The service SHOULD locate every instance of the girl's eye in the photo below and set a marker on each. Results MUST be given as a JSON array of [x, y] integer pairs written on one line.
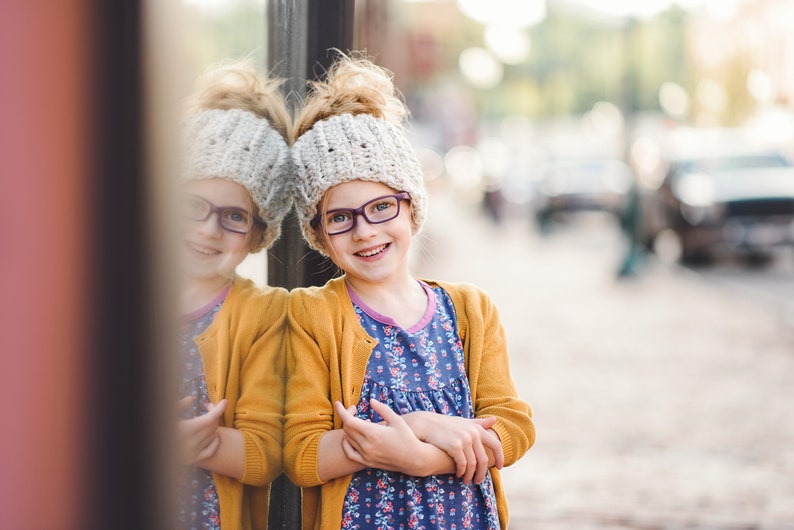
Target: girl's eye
[[339, 217], [381, 209], [194, 207], [237, 217]]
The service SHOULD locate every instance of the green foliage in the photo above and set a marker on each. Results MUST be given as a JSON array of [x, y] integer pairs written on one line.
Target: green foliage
[[577, 61], [740, 103]]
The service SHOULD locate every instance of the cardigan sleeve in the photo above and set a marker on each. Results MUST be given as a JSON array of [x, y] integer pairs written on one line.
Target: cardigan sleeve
[[308, 406], [259, 410], [488, 368]]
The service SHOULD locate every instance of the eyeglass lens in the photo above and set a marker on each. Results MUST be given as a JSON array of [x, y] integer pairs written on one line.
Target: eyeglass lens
[[231, 218], [376, 211]]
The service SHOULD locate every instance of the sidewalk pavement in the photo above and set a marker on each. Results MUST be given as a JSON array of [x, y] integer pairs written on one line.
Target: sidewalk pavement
[[661, 401]]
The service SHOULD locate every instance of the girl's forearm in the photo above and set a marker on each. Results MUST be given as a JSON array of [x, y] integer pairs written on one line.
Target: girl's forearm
[[332, 462], [229, 459], [432, 461]]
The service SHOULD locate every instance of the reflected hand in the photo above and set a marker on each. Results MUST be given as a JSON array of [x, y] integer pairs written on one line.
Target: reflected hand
[[197, 437]]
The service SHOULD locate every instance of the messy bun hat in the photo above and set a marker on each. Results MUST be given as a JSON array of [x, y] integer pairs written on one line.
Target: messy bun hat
[[232, 134]]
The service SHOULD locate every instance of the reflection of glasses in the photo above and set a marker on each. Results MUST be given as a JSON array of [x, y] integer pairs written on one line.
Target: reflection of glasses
[[231, 218], [376, 211]]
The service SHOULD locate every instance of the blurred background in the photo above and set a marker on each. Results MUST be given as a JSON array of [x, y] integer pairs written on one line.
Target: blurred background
[[616, 174]]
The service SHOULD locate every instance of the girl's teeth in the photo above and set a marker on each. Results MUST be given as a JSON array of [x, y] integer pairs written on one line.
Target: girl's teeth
[[205, 251], [369, 253]]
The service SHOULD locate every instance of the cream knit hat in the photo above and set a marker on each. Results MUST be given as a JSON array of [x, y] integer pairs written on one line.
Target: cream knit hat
[[353, 147], [236, 145]]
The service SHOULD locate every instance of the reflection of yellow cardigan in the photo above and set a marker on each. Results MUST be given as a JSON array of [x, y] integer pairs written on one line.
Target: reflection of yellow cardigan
[[327, 354], [243, 356]]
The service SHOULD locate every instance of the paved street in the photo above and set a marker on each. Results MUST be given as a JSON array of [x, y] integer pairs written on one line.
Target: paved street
[[664, 401]]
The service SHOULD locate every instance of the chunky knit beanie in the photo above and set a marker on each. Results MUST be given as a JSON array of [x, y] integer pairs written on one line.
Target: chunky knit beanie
[[237, 145], [353, 147]]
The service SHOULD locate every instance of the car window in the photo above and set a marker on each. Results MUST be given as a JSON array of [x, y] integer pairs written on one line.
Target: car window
[[733, 162]]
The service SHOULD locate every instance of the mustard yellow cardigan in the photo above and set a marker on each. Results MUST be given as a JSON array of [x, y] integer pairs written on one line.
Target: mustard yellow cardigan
[[327, 354], [243, 355]]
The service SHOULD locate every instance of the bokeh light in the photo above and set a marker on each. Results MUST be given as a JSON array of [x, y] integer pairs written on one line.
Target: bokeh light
[[516, 13], [509, 44], [674, 100], [480, 68]]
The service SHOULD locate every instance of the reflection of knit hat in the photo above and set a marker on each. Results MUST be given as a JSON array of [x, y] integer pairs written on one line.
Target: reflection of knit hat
[[236, 145], [347, 147]]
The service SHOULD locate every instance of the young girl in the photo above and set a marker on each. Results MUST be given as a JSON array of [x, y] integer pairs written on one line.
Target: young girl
[[400, 405], [231, 354]]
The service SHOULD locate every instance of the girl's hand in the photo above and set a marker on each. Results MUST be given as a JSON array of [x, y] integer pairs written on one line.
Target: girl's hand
[[389, 445], [470, 442], [197, 437]]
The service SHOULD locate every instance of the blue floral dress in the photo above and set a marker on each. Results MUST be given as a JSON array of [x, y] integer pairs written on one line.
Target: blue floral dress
[[417, 369], [198, 507]]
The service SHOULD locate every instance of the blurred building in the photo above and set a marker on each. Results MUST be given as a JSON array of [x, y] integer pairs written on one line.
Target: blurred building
[[749, 52]]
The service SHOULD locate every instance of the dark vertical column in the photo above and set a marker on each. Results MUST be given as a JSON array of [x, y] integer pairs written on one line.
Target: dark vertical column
[[331, 25], [287, 44], [300, 34], [125, 481]]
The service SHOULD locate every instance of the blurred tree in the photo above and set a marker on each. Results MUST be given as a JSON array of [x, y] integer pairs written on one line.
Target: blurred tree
[[234, 30], [741, 104], [575, 59], [661, 55]]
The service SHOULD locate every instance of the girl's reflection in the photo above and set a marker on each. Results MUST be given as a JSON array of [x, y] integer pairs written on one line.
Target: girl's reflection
[[231, 359]]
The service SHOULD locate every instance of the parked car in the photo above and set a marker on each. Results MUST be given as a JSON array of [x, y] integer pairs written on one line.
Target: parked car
[[582, 184], [739, 202]]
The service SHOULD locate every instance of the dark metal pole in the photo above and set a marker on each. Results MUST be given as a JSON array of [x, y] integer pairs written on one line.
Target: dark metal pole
[[287, 56], [300, 35], [123, 350]]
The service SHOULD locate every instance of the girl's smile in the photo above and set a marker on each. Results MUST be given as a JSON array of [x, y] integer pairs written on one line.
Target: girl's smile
[[202, 250], [374, 252]]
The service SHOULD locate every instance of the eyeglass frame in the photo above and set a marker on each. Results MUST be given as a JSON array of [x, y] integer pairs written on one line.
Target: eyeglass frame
[[220, 209], [356, 212]]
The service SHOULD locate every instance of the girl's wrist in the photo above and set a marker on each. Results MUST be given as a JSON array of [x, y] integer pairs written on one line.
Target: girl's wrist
[[418, 423], [431, 461]]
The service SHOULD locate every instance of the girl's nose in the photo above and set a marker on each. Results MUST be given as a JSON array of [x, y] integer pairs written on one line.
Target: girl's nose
[[363, 229], [211, 226]]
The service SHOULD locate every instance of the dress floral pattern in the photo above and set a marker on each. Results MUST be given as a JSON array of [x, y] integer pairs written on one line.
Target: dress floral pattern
[[420, 368], [198, 505]]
